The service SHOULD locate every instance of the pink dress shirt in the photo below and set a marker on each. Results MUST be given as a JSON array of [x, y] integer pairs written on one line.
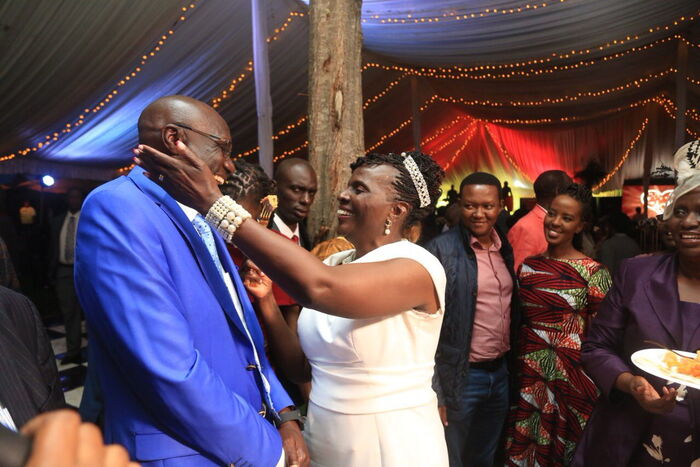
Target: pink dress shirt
[[527, 236], [491, 331]]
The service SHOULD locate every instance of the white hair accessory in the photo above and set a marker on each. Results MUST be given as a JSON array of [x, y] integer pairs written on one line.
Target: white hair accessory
[[687, 164], [418, 179]]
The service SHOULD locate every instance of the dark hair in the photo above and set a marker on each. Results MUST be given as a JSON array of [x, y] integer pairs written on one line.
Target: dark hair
[[248, 178], [550, 184], [403, 184], [583, 195], [481, 178]]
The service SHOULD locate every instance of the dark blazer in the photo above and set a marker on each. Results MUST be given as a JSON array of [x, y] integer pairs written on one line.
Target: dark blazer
[[642, 304], [29, 381], [453, 249]]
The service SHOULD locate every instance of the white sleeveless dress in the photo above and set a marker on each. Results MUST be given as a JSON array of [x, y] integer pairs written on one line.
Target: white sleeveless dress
[[372, 402]]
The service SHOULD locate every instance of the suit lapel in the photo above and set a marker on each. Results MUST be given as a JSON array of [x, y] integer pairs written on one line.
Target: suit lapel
[[199, 249], [662, 293]]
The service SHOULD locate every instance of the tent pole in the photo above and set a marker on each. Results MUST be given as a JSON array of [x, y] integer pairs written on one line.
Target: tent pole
[[649, 154], [261, 70], [681, 93], [415, 108], [336, 132]]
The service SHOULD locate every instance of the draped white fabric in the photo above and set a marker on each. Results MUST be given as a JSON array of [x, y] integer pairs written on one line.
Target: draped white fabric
[[61, 57]]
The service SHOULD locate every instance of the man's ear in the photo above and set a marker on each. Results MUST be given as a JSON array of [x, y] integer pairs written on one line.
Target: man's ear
[[170, 135]]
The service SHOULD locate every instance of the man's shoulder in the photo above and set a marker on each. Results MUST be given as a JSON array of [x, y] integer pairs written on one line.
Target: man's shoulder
[[447, 239], [117, 194]]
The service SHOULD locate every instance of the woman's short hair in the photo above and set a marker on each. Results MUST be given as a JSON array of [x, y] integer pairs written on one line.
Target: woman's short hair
[[583, 195], [247, 179], [403, 184]]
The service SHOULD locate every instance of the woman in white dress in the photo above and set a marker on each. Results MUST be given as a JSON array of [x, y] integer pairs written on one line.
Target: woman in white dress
[[371, 324]]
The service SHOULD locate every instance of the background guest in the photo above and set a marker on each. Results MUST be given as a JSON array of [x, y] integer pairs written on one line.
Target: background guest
[[638, 421], [62, 257], [560, 292], [619, 245], [248, 185], [481, 317], [527, 236]]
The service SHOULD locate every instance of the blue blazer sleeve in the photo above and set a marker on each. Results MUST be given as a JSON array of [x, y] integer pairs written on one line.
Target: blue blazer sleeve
[[123, 273]]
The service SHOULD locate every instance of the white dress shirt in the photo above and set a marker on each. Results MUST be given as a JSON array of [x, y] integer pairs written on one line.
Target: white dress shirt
[[62, 237], [284, 228], [6, 419]]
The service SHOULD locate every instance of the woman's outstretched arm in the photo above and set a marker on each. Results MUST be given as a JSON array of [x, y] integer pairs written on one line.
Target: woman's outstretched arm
[[352, 291]]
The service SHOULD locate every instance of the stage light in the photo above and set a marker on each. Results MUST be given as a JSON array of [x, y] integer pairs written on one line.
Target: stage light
[[48, 180]]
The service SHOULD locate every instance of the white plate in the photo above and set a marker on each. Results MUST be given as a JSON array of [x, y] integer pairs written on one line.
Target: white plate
[[651, 361]]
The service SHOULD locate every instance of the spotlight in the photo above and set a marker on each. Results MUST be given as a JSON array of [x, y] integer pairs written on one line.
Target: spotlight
[[48, 180]]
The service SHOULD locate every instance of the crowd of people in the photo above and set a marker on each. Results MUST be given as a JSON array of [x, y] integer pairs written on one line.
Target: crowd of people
[[222, 333]]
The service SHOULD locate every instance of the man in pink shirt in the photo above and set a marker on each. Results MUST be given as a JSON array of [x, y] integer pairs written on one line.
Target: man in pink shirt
[[481, 317], [527, 235]]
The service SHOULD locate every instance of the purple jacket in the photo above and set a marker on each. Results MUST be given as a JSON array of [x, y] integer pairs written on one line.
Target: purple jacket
[[642, 304]]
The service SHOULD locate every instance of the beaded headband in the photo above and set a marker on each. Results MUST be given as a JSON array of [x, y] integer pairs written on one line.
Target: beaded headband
[[418, 180]]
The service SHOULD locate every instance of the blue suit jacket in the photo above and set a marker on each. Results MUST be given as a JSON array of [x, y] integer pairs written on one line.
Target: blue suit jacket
[[170, 350]]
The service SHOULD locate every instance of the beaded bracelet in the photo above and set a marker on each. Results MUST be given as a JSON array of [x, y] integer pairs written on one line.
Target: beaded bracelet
[[226, 216]]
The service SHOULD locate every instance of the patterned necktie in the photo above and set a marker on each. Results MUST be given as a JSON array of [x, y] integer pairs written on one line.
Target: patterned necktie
[[204, 231], [69, 247]]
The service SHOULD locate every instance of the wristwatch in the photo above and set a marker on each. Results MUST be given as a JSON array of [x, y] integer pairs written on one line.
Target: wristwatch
[[290, 415]]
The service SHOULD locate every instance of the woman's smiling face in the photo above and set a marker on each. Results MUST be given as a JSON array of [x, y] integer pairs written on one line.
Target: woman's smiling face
[[365, 204]]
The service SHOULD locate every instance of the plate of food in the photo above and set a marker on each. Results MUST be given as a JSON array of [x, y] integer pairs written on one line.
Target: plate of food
[[681, 369]]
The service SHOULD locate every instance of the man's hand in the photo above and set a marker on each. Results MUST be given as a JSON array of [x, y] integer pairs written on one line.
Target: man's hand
[[183, 175], [293, 444], [442, 410], [649, 398], [61, 440]]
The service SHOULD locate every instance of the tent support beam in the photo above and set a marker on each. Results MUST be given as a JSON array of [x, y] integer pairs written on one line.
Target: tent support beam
[[649, 153], [681, 93], [261, 70], [336, 132], [415, 108]]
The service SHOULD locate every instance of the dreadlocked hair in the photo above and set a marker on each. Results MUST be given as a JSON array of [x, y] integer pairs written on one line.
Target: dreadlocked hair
[[247, 179], [583, 195], [403, 184]]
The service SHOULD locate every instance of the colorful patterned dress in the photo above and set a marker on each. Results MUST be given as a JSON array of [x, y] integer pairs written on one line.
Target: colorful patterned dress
[[559, 297]]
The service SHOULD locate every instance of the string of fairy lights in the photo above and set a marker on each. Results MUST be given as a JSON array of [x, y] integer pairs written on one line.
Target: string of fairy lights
[[482, 72], [248, 69], [88, 112], [624, 157], [472, 127], [453, 15], [506, 154]]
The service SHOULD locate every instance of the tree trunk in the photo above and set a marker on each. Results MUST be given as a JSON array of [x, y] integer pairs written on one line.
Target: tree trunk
[[336, 136]]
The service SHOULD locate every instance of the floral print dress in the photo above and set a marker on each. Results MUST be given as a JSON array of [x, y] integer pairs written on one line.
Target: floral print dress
[[559, 298]]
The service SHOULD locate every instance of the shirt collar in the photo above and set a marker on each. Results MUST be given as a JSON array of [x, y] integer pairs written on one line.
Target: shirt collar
[[494, 238], [284, 228], [541, 207], [189, 212]]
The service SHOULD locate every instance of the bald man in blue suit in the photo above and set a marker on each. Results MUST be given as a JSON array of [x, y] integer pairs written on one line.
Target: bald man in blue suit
[[174, 340]]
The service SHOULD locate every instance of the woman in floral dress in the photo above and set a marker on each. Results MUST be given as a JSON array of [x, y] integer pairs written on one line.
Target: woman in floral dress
[[560, 291]]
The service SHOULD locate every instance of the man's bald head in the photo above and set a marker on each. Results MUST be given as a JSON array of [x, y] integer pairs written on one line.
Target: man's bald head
[[296, 188], [159, 122], [549, 184]]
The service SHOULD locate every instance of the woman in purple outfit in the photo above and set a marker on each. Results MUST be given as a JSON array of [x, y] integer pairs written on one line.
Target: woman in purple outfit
[[640, 420]]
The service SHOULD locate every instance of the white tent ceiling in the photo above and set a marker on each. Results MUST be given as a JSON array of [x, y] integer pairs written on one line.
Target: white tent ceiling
[[62, 61]]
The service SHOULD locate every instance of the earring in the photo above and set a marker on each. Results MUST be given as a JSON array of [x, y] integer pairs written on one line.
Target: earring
[[387, 227]]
